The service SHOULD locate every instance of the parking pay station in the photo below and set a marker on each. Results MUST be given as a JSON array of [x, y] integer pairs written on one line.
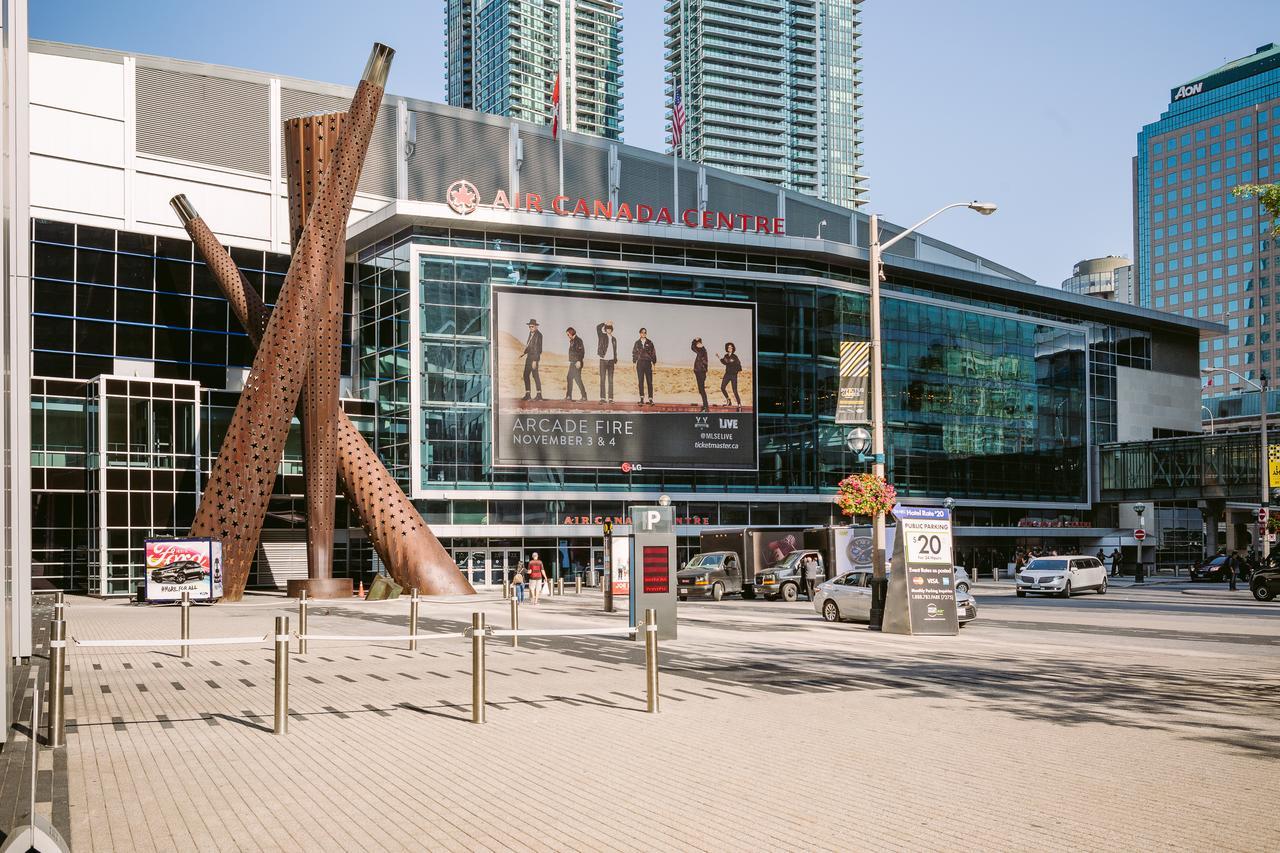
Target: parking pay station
[[653, 568]]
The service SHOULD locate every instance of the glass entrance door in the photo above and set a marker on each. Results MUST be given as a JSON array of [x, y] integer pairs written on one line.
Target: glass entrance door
[[488, 567]]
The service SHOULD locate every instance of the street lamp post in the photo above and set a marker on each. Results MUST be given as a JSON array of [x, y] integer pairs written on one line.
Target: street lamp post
[[879, 579], [1265, 503]]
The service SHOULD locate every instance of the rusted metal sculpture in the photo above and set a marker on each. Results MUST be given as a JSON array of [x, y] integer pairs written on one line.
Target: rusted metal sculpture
[[309, 145], [402, 539], [235, 500]]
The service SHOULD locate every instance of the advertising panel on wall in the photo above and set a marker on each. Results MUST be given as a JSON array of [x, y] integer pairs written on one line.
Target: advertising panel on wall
[[622, 381], [175, 566], [852, 405]]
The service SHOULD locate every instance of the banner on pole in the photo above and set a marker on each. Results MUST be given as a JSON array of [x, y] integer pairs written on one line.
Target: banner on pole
[[1273, 466], [855, 383]]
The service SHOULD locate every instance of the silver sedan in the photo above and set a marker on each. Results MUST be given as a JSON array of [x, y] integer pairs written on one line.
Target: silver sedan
[[848, 597]]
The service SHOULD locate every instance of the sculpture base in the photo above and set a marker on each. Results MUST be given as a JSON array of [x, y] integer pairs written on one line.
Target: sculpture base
[[320, 587]]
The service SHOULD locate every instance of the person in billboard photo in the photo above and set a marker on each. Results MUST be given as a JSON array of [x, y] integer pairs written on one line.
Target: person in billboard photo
[[532, 355], [644, 355], [700, 370], [732, 367], [577, 352], [607, 350]]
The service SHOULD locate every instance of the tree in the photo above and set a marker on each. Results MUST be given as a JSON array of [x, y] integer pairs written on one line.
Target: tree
[[1268, 196]]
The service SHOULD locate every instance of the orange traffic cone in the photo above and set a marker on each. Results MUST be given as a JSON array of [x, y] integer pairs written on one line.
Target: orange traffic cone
[[361, 592]]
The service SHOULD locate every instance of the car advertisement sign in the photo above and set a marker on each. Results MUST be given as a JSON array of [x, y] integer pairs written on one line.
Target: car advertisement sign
[[621, 565], [175, 566], [922, 588], [619, 381]]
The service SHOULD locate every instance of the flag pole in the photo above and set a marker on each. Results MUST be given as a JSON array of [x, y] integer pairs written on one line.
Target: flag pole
[[560, 81]]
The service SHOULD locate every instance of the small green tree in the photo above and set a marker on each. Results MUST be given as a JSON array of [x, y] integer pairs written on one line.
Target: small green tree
[[1268, 196]]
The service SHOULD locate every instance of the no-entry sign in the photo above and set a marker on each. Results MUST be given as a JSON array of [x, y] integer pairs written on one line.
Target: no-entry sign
[[1139, 534]]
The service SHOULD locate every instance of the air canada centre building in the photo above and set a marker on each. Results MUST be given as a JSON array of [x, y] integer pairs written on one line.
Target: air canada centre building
[[537, 336]]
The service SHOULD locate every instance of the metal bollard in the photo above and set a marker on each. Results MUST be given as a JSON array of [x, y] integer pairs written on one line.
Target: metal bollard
[[186, 623], [506, 589], [651, 659], [413, 619], [302, 622], [559, 586], [58, 605], [577, 584], [55, 731], [477, 667], [282, 675], [515, 623]]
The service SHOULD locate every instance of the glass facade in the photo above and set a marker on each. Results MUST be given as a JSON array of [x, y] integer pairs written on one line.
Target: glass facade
[[980, 404], [1200, 250]]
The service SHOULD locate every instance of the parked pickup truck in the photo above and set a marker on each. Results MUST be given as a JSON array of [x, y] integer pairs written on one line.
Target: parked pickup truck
[[729, 561], [786, 579], [710, 575]]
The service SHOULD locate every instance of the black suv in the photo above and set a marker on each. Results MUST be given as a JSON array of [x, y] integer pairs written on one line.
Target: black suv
[[1265, 583], [179, 572]]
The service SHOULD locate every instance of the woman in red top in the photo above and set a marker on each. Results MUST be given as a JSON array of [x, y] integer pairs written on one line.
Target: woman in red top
[[535, 576]]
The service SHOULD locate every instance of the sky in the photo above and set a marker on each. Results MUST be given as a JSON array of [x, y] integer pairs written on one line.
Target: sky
[[1033, 105]]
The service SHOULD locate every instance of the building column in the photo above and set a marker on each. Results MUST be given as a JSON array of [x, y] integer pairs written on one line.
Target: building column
[[1211, 512]]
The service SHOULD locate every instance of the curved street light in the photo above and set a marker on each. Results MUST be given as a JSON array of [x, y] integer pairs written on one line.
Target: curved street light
[[879, 579]]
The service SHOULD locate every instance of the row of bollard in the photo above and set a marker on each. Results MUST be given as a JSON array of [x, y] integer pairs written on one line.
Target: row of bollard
[[557, 588], [55, 734]]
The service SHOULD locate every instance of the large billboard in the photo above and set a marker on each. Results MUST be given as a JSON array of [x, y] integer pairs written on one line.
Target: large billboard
[[641, 382]]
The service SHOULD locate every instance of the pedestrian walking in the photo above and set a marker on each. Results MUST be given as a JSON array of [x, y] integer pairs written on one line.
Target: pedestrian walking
[[517, 582], [700, 369], [644, 355], [532, 355], [811, 575], [577, 352], [732, 367], [536, 574], [1115, 562], [1233, 568], [607, 352]]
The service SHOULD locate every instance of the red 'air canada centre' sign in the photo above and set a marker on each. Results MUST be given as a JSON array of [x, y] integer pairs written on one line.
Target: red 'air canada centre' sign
[[463, 198]]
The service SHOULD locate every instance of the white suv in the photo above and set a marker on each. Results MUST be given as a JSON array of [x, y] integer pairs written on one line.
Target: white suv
[[1062, 575]]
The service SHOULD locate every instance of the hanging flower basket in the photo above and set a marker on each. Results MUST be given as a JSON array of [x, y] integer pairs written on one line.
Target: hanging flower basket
[[866, 494], [1273, 523]]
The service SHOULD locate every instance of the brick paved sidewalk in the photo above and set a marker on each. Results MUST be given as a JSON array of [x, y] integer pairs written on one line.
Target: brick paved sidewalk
[[777, 732]]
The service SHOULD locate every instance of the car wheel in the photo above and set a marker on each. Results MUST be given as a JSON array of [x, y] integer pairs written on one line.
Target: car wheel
[[717, 592], [1263, 593], [1020, 593], [963, 587], [962, 624], [684, 598], [830, 611], [1066, 593], [748, 592], [1102, 587], [789, 592]]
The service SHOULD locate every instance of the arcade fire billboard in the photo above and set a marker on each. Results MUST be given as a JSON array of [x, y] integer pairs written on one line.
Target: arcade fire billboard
[[622, 381]]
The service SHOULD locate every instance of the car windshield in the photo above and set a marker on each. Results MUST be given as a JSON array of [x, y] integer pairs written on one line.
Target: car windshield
[[705, 561], [1047, 565], [791, 559], [1218, 561]]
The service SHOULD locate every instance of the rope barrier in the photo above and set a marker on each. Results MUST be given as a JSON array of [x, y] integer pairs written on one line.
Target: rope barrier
[[377, 638], [562, 632], [210, 641]]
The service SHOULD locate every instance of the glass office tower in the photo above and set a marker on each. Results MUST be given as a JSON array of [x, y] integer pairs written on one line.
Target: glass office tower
[[1200, 251], [502, 57], [772, 90]]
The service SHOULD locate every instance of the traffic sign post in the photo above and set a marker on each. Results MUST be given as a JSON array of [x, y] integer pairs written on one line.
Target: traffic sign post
[[1139, 534]]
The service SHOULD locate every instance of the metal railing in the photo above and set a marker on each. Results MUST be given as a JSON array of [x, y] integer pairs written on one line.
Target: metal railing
[[478, 633]]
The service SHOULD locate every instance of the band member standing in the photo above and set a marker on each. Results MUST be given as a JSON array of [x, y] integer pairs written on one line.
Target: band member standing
[[577, 352], [732, 367], [644, 356], [532, 355], [607, 350], [700, 369]]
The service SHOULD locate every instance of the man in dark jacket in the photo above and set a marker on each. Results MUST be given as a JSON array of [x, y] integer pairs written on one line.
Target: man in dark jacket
[[532, 355], [700, 369], [577, 352], [607, 350], [644, 356]]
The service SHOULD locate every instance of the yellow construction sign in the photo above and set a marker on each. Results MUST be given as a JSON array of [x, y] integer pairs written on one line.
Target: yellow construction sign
[[1273, 466]]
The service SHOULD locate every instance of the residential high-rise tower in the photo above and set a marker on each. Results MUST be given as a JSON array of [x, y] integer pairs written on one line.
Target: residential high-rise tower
[[772, 90], [503, 56]]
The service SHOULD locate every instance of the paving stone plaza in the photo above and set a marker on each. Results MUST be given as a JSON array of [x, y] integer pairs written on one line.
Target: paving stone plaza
[[1142, 720]]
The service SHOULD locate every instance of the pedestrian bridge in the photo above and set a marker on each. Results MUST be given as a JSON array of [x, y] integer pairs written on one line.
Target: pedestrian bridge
[[1223, 467]]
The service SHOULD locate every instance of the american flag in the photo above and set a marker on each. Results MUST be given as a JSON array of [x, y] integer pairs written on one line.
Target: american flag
[[677, 119]]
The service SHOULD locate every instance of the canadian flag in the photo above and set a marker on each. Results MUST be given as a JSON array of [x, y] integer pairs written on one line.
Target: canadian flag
[[555, 109]]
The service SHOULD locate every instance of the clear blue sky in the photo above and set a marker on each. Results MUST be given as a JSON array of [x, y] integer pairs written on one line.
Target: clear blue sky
[[1034, 105]]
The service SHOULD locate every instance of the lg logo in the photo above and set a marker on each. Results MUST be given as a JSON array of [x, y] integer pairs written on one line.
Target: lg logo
[[462, 197], [1188, 91]]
